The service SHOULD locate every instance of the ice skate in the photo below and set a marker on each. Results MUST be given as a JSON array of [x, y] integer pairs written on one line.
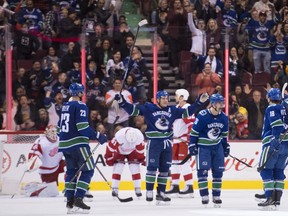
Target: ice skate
[[162, 199], [80, 207], [268, 205], [88, 197], [217, 202], [205, 200], [70, 205], [187, 192], [173, 191], [260, 197], [114, 192], [149, 196], [138, 192]]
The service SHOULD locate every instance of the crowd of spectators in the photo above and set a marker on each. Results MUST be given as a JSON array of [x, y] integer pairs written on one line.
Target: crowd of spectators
[[49, 35]]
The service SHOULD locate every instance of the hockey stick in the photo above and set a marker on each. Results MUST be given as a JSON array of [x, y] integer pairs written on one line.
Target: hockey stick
[[188, 156], [259, 169], [140, 24], [248, 165], [116, 106], [129, 199], [184, 160], [19, 183], [80, 168], [283, 90]]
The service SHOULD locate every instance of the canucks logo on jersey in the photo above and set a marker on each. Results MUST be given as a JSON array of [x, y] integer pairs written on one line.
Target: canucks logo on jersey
[[162, 123], [213, 133]]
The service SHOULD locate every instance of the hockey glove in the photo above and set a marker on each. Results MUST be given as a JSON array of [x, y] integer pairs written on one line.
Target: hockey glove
[[204, 97], [275, 145], [101, 138], [226, 148], [120, 99], [193, 149]]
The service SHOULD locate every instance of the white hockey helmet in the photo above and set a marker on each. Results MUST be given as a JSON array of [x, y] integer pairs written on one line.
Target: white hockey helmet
[[131, 135], [182, 92], [51, 133]]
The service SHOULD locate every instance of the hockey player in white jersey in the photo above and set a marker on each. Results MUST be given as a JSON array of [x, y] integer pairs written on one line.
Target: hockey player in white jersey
[[45, 149], [126, 147], [181, 129]]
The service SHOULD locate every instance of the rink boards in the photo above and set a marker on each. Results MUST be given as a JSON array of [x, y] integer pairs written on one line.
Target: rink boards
[[236, 176]]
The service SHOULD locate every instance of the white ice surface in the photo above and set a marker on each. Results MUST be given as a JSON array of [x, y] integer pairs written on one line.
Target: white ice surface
[[235, 203]]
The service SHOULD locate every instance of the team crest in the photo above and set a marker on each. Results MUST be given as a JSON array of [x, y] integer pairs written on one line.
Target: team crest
[[213, 133], [162, 123]]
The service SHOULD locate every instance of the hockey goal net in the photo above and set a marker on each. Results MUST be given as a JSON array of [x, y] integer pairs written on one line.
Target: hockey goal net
[[14, 149]]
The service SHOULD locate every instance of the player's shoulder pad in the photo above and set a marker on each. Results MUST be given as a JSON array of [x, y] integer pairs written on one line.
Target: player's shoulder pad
[[203, 112]]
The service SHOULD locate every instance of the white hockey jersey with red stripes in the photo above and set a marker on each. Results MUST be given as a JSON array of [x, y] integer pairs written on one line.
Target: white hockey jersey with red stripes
[[47, 153], [181, 127]]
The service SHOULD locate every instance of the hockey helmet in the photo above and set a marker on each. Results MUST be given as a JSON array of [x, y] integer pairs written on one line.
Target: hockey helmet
[[131, 135], [76, 88], [160, 94], [274, 94], [51, 133], [182, 92], [216, 98]]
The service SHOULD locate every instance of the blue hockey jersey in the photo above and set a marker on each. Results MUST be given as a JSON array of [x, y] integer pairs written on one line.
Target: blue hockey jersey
[[74, 128], [160, 120], [273, 126], [208, 129]]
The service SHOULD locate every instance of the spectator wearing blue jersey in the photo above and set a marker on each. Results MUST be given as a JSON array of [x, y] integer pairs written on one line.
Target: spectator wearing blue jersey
[[159, 118], [74, 137], [259, 36], [137, 66], [208, 141], [279, 50], [32, 16]]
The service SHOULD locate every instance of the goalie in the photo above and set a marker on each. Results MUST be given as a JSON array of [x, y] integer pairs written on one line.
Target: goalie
[[45, 149]]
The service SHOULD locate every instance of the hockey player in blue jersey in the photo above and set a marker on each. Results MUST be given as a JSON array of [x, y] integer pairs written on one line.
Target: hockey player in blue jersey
[[159, 118], [74, 136], [274, 150], [208, 141]]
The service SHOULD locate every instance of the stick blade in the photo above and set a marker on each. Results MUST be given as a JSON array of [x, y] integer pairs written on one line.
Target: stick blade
[[143, 22], [129, 199]]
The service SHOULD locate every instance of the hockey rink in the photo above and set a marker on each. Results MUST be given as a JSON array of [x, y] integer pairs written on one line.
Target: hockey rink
[[235, 203]]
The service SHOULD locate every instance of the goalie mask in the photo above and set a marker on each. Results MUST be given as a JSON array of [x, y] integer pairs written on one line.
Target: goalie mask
[[51, 133], [131, 135]]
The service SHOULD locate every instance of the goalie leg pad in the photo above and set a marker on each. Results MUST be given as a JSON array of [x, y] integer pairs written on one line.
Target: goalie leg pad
[[35, 189]]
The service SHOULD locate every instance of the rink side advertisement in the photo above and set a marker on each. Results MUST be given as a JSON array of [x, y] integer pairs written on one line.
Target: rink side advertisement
[[236, 176]]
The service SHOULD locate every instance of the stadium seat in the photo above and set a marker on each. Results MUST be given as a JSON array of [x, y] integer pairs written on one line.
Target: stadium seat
[[246, 78], [26, 64], [261, 79]]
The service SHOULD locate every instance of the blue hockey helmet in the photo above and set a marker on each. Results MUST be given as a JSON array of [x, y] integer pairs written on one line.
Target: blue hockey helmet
[[160, 94], [76, 88], [274, 94], [216, 98]]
